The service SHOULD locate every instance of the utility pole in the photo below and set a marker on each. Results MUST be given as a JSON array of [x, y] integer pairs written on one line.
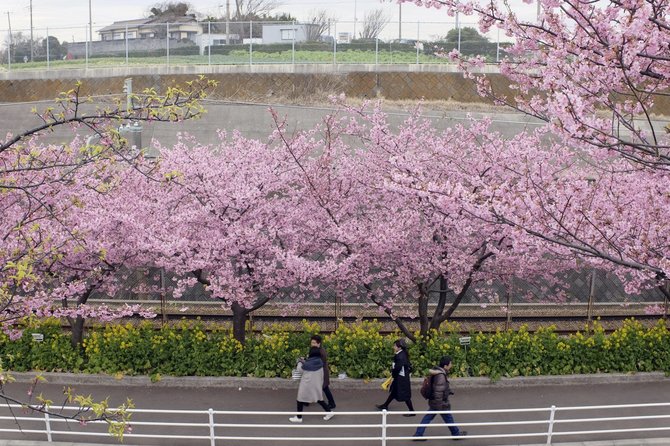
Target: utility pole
[[31, 32], [355, 19], [538, 10], [90, 22], [399, 21], [9, 50], [228, 22]]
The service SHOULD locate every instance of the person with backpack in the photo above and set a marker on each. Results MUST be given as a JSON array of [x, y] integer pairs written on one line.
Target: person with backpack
[[401, 369], [435, 389]]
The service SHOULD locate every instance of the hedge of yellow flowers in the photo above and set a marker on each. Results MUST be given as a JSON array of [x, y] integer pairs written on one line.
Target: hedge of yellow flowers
[[359, 350]]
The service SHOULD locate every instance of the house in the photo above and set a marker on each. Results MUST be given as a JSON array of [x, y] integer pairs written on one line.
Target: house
[[214, 39], [288, 32], [183, 27]]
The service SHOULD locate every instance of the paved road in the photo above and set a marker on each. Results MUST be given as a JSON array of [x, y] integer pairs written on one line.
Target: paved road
[[251, 120], [281, 398]]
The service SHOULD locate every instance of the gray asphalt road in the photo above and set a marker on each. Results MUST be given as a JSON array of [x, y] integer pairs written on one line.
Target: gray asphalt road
[[251, 120], [314, 427]]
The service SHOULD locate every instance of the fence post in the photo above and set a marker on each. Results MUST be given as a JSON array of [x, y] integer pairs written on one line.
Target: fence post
[[418, 36], [251, 42], [48, 54], [508, 323], [592, 289], [293, 44], [667, 299], [167, 42], [384, 413], [498, 47], [47, 422], [87, 34], [335, 42], [551, 425], [212, 437]]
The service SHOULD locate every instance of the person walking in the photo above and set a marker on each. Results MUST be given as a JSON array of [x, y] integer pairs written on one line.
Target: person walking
[[310, 389], [401, 388], [315, 341], [439, 400]]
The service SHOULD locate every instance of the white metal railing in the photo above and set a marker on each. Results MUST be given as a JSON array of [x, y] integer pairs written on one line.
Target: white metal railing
[[541, 424]]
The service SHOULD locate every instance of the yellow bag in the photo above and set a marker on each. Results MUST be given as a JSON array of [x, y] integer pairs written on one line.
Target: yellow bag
[[387, 383]]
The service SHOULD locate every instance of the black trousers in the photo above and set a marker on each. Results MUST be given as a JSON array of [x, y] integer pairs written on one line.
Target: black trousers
[[329, 396], [302, 405]]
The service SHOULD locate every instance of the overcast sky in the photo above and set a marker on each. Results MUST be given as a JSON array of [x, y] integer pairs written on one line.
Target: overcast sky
[[67, 19]]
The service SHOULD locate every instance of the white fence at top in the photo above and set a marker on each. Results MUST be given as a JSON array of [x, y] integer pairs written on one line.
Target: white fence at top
[[198, 427]]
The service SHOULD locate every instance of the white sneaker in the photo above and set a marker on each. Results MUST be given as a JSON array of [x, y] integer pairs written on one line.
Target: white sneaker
[[329, 415], [295, 420]]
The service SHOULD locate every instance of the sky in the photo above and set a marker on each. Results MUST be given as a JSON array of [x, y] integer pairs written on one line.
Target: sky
[[67, 19]]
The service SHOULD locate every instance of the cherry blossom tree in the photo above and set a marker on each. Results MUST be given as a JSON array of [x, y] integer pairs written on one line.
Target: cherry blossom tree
[[41, 187], [391, 213], [596, 73], [211, 214]]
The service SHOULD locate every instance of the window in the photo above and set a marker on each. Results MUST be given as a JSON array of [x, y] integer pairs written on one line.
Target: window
[[287, 34], [132, 34], [118, 35]]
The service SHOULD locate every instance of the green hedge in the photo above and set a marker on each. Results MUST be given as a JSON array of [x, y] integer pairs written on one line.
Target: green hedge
[[357, 349]]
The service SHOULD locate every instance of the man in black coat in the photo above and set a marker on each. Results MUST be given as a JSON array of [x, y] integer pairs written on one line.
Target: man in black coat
[[439, 400]]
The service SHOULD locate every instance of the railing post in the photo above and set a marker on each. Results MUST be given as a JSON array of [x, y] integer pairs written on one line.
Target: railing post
[[47, 422], [551, 425], [212, 437], [384, 413]]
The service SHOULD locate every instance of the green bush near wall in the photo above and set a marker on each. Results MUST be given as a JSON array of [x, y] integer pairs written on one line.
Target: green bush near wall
[[359, 350]]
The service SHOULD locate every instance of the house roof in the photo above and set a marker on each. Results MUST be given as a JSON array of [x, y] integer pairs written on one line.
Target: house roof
[[123, 23], [120, 25]]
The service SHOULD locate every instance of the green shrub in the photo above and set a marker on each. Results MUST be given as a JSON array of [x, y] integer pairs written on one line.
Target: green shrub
[[359, 350]]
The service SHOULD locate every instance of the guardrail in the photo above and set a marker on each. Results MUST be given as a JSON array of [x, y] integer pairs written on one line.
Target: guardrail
[[542, 424]]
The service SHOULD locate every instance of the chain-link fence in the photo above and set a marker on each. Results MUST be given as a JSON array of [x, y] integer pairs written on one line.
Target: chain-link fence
[[188, 42], [582, 294]]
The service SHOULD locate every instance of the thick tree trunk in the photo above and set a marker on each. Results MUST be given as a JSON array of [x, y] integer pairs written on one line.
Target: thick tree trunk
[[239, 322], [77, 327]]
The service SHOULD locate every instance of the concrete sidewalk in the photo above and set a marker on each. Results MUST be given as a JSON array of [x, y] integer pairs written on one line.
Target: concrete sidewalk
[[82, 379], [278, 396]]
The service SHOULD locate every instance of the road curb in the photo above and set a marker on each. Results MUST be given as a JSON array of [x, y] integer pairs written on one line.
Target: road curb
[[81, 379]]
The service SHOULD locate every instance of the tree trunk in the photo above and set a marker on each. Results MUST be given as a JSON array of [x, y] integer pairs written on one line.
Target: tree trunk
[[77, 327], [239, 322]]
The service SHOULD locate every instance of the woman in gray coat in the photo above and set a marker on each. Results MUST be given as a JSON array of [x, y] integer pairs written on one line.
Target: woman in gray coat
[[311, 385]]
